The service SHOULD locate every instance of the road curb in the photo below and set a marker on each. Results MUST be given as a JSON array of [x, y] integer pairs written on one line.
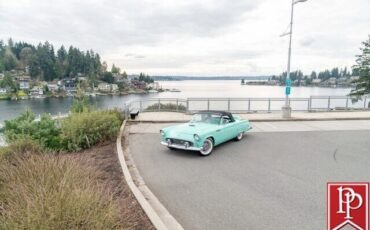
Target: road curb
[[156, 212]]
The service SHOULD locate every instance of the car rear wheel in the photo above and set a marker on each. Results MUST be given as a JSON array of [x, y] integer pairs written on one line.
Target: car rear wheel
[[207, 147], [240, 136], [170, 148]]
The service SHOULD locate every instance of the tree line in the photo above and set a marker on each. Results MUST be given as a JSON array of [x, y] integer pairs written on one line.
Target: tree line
[[322, 75], [44, 63]]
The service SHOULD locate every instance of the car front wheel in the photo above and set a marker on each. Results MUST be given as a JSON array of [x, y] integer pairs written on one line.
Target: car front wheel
[[207, 147], [240, 136]]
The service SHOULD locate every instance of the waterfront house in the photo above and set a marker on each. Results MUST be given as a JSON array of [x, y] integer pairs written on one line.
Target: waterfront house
[[354, 78], [138, 84], [104, 87], [70, 85], [114, 87], [332, 81], [3, 91], [52, 87], [316, 81], [154, 85], [343, 81], [36, 92], [24, 82]]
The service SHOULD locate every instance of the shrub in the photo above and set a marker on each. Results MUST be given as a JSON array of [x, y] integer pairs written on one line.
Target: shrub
[[78, 131], [82, 130], [80, 102], [54, 192], [20, 126], [166, 107], [22, 147], [44, 131]]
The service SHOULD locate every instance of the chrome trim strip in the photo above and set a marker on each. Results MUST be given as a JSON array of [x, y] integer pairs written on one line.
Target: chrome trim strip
[[181, 146]]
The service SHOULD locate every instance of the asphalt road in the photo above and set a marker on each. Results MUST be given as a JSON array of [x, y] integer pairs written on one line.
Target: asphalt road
[[269, 180]]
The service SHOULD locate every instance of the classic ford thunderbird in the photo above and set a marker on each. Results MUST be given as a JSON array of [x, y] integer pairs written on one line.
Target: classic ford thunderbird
[[205, 130]]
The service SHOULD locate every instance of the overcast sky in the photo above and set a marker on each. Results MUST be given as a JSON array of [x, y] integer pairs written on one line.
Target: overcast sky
[[196, 37]]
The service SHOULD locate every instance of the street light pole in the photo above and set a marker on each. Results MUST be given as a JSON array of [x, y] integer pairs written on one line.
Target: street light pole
[[289, 52], [287, 110]]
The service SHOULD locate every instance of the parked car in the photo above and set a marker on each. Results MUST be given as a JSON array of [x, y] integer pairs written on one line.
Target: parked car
[[206, 130]]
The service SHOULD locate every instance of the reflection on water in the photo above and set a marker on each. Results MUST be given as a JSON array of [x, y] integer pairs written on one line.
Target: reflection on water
[[10, 109]]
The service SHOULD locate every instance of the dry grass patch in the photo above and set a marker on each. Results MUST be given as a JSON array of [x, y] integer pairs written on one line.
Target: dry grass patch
[[54, 192]]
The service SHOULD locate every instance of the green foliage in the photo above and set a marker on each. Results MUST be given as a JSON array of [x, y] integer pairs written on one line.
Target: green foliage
[[55, 192], [115, 69], [8, 82], [80, 102], [323, 75], [362, 68], [82, 130], [79, 131], [9, 60], [145, 78], [166, 107], [20, 126], [46, 64], [108, 77], [44, 131]]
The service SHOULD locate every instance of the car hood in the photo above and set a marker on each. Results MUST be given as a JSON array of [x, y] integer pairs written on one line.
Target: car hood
[[191, 128]]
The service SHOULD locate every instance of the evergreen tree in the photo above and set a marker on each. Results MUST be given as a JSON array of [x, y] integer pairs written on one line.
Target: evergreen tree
[[108, 77], [313, 75], [362, 67], [115, 69], [9, 59]]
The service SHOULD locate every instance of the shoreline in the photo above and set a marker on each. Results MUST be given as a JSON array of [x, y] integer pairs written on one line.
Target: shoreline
[[10, 98]]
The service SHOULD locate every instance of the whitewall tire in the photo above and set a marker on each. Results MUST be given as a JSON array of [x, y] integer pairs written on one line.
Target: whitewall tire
[[240, 136], [207, 147]]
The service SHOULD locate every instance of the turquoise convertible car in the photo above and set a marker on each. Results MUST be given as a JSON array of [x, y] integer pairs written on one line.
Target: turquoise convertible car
[[205, 130]]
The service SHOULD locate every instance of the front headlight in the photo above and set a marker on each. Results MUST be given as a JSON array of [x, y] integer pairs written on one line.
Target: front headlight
[[196, 137], [162, 133]]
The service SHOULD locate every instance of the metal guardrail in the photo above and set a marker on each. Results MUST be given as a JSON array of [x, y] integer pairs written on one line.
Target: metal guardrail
[[249, 105]]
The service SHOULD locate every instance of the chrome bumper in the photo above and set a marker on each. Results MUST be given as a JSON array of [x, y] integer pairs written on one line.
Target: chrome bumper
[[191, 148]]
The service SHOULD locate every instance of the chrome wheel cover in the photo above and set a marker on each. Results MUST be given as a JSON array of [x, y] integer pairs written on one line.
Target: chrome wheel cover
[[240, 136], [207, 147]]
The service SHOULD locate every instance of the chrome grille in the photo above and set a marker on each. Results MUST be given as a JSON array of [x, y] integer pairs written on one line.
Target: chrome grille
[[179, 142]]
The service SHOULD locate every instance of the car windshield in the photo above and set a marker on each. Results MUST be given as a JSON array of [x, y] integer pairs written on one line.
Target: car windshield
[[210, 118]]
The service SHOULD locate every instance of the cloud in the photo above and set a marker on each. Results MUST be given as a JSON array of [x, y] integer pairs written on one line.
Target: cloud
[[208, 37], [307, 41]]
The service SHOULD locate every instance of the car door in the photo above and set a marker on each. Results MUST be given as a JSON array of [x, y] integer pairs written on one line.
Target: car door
[[228, 130]]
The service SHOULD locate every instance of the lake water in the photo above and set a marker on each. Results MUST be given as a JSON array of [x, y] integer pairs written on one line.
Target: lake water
[[10, 109], [189, 89]]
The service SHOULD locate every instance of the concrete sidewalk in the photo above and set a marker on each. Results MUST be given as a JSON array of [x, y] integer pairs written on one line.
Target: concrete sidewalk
[[296, 116]]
